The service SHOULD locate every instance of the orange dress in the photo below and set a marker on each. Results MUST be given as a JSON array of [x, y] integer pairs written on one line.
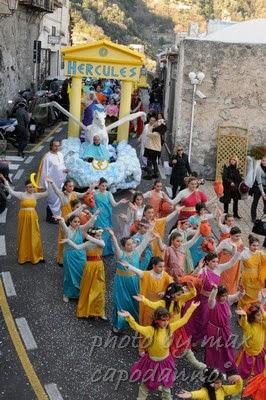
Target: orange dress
[[230, 277], [65, 210]]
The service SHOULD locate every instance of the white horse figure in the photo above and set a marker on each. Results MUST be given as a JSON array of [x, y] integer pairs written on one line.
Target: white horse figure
[[98, 124], [97, 127]]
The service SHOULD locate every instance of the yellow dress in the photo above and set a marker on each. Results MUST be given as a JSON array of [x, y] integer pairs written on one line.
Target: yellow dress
[[159, 227], [92, 287], [29, 244], [253, 277], [65, 210], [221, 393]]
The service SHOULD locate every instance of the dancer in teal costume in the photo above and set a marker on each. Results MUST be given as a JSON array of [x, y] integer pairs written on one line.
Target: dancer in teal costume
[[126, 283], [105, 201]]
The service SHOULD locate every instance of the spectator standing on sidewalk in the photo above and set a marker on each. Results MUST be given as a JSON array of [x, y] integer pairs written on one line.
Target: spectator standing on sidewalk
[[180, 170], [231, 180], [23, 119], [259, 189]]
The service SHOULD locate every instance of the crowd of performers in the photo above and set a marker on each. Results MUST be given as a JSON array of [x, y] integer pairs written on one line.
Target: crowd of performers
[[177, 293]]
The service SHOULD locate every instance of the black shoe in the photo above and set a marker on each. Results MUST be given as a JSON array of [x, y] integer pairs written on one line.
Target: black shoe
[[60, 265], [237, 216], [147, 177], [155, 176]]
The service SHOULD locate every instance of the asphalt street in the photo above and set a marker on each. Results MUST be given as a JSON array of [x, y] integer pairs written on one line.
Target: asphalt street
[[80, 359]]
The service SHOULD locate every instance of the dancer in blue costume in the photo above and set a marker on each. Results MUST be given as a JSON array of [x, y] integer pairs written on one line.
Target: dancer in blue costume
[[74, 260], [196, 251], [126, 283], [146, 256], [105, 201]]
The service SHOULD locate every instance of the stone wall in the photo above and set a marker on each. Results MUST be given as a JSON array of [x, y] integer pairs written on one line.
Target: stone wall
[[235, 86], [17, 35]]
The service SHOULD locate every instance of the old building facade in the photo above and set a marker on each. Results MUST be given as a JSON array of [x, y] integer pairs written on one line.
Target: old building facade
[[18, 33], [234, 86]]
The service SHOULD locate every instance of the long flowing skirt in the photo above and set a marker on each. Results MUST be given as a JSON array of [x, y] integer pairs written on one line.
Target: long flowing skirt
[[29, 243], [92, 291], [219, 352], [230, 278], [249, 366], [125, 287], [74, 262]]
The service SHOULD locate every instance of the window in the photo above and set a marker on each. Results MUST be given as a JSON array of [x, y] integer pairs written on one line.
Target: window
[[53, 31]]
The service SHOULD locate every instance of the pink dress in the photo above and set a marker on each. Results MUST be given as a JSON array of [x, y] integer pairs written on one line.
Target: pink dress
[[219, 352], [112, 110], [197, 325], [174, 260]]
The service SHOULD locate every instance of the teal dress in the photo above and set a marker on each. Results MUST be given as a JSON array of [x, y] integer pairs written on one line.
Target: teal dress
[[74, 262], [105, 219], [126, 285], [196, 251], [146, 255]]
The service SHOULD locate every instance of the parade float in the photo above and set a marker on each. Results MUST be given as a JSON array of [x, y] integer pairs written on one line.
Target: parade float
[[107, 60]]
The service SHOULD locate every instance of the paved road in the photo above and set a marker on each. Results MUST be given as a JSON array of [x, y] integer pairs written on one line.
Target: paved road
[[77, 359]]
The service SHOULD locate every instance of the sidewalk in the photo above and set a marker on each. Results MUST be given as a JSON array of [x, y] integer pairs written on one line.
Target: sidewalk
[[245, 223]]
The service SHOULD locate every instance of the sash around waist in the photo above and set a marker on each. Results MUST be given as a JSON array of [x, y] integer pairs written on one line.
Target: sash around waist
[[94, 258], [188, 209], [124, 273], [26, 208]]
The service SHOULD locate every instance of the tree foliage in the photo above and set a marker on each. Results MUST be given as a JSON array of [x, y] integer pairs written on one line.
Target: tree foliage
[[153, 22]]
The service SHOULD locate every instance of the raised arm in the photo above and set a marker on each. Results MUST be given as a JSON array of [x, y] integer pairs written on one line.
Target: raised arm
[[212, 297], [190, 242], [177, 199], [59, 193], [173, 214], [116, 203], [223, 267], [95, 242], [63, 226], [151, 304], [233, 298], [148, 237], [41, 195], [118, 251], [18, 195], [146, 331], [182, 321], [75, 212], [130, 267], [91, 221]]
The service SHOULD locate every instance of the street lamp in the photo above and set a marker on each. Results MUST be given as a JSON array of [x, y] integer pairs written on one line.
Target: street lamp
[[196, 78], [10, 5]]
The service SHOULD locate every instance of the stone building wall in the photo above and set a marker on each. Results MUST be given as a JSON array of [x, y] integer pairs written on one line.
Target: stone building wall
[[235, 86], [17, 35]]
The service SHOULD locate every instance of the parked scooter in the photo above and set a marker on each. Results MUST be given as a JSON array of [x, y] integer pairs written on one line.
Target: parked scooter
[[4, 170], [8, 130]]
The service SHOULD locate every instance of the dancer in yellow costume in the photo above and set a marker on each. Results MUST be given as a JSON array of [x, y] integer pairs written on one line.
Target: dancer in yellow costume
[[66, 195], [29, 243], [159, 225], [92, 287], [253, 275]]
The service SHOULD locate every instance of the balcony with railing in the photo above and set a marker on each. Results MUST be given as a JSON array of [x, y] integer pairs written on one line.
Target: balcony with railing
[[41, 5]]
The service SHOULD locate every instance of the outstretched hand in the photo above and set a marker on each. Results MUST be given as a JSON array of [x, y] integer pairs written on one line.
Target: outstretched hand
[[139, 297], [123, 313], [240, 311], [184, 395]]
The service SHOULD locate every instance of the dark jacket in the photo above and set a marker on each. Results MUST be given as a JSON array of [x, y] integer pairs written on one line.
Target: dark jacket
[[230, 175], [180, 170]]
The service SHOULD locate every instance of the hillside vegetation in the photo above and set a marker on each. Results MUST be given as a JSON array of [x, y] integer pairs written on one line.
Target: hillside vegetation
[[152, 22]]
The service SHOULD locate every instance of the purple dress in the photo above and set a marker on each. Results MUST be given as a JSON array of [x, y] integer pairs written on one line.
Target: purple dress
[[197, 325], [219, 352]]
